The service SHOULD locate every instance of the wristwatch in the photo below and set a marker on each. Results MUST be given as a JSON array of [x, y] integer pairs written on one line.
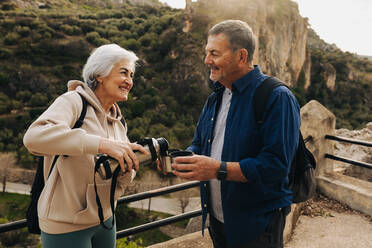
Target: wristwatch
[[222, 172]]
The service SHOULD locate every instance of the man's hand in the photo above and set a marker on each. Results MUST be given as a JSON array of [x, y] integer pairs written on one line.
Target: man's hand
[[196, 167]]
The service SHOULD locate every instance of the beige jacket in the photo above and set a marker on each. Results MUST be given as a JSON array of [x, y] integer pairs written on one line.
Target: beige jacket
[[67, 202]]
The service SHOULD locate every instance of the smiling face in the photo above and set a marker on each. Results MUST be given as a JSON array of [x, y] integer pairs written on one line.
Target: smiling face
[[223, 62], [115, 87]]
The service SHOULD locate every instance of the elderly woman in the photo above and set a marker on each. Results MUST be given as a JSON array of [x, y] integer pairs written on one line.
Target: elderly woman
[[67, 208]]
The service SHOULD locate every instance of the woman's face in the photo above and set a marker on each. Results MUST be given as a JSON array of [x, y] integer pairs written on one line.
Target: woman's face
[[115, 87]]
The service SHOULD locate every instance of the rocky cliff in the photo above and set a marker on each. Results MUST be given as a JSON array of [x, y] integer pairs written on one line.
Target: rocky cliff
[[280, 31]]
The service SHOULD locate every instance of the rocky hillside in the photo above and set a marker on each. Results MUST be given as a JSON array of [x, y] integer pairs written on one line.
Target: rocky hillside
[[280, 31], [45, 43], [354, 152]]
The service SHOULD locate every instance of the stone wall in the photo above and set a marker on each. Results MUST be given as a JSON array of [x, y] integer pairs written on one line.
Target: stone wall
[[317, 121], [19, 175]]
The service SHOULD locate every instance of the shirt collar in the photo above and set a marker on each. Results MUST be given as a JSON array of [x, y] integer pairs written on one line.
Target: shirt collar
[[251, 77], [242, 83]]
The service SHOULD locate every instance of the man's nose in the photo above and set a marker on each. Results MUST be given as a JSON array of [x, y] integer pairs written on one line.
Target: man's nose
[[207, 60]]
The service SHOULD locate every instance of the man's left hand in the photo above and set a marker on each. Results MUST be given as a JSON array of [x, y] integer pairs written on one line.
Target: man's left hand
[[196, 167]]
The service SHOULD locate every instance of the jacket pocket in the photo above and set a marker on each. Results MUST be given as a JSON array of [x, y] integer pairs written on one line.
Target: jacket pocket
[[89, 215]]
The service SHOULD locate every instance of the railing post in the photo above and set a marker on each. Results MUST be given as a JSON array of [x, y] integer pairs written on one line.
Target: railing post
[[317, 121]]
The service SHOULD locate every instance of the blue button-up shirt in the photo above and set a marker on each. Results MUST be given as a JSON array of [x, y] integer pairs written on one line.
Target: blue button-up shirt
[[263, 151]]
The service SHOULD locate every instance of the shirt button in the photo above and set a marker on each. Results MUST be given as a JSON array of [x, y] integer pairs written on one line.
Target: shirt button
[[205, 185], [212, 119], [205, 205]]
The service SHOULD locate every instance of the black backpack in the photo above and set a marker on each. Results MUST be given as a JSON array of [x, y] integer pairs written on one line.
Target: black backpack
[[38, 184], [302, 173]]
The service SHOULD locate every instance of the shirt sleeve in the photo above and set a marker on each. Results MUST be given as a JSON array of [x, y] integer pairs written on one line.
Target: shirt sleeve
[[52, 132], [280, 132]]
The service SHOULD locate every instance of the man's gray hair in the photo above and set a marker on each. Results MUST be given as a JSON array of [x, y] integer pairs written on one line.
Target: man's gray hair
[[239, 34], [102, 60]]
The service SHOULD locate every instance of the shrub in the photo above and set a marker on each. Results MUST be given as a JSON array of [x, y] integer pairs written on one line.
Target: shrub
[[23, 31], [5, 103], [8, 6], [67, 29], [11, 38], [102, 15], [78, 49], [23, 95], [88, 26], [5, 53], [38, 100], [8, 24], [129, 15], [125, 25], [92, 37], [117, 15], [131, 44]]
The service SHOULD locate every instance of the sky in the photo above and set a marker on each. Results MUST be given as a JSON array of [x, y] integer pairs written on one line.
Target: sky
[[346, 23]]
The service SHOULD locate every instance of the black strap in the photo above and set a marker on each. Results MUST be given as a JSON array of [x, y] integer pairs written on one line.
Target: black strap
[[77, 124], [80, 121], [261, 96], [148, 141], [102, 160]]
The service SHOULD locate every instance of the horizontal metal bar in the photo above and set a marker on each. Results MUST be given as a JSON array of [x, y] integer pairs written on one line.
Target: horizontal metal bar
[[126, 199], [10, 226], [346, 160], [157, 192], [348, 140], [158, 223]]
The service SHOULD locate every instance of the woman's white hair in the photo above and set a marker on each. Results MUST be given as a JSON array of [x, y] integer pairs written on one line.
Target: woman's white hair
[[102, 60]]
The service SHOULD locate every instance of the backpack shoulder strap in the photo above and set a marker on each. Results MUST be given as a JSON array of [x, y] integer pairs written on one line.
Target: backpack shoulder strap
[[261, 96], [78, 123]]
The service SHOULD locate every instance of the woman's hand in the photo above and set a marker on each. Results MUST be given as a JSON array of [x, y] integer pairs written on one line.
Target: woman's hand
[[122, 152]]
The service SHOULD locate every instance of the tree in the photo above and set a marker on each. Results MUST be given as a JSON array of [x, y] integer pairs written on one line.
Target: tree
[[183, 198], [6, 162]]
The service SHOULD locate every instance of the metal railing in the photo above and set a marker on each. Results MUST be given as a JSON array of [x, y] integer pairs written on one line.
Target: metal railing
[[346, 160], [132, 198]]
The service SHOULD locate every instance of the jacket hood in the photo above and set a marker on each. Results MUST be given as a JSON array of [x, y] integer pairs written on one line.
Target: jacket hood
[[75, 85]]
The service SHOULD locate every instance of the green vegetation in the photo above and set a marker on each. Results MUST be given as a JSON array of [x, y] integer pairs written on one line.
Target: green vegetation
[[41, 51], [44, 46], [14, 206], [351, 99]]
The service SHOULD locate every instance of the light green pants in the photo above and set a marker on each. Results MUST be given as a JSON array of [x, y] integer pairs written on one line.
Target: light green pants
[[94, 237]]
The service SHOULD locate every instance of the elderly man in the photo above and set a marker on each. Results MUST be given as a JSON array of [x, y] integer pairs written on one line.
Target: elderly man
[[243, 166]]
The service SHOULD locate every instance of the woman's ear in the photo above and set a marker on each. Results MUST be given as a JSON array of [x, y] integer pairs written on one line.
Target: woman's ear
[[99, 80]]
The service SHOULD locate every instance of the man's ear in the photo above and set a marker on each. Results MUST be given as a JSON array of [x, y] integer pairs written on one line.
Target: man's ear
[[243, 56]]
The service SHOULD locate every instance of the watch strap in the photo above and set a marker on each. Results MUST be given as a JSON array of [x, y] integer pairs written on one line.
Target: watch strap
[[222, 172]]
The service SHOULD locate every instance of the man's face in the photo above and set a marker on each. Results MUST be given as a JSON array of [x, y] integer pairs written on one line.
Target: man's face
[[222, 60]]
